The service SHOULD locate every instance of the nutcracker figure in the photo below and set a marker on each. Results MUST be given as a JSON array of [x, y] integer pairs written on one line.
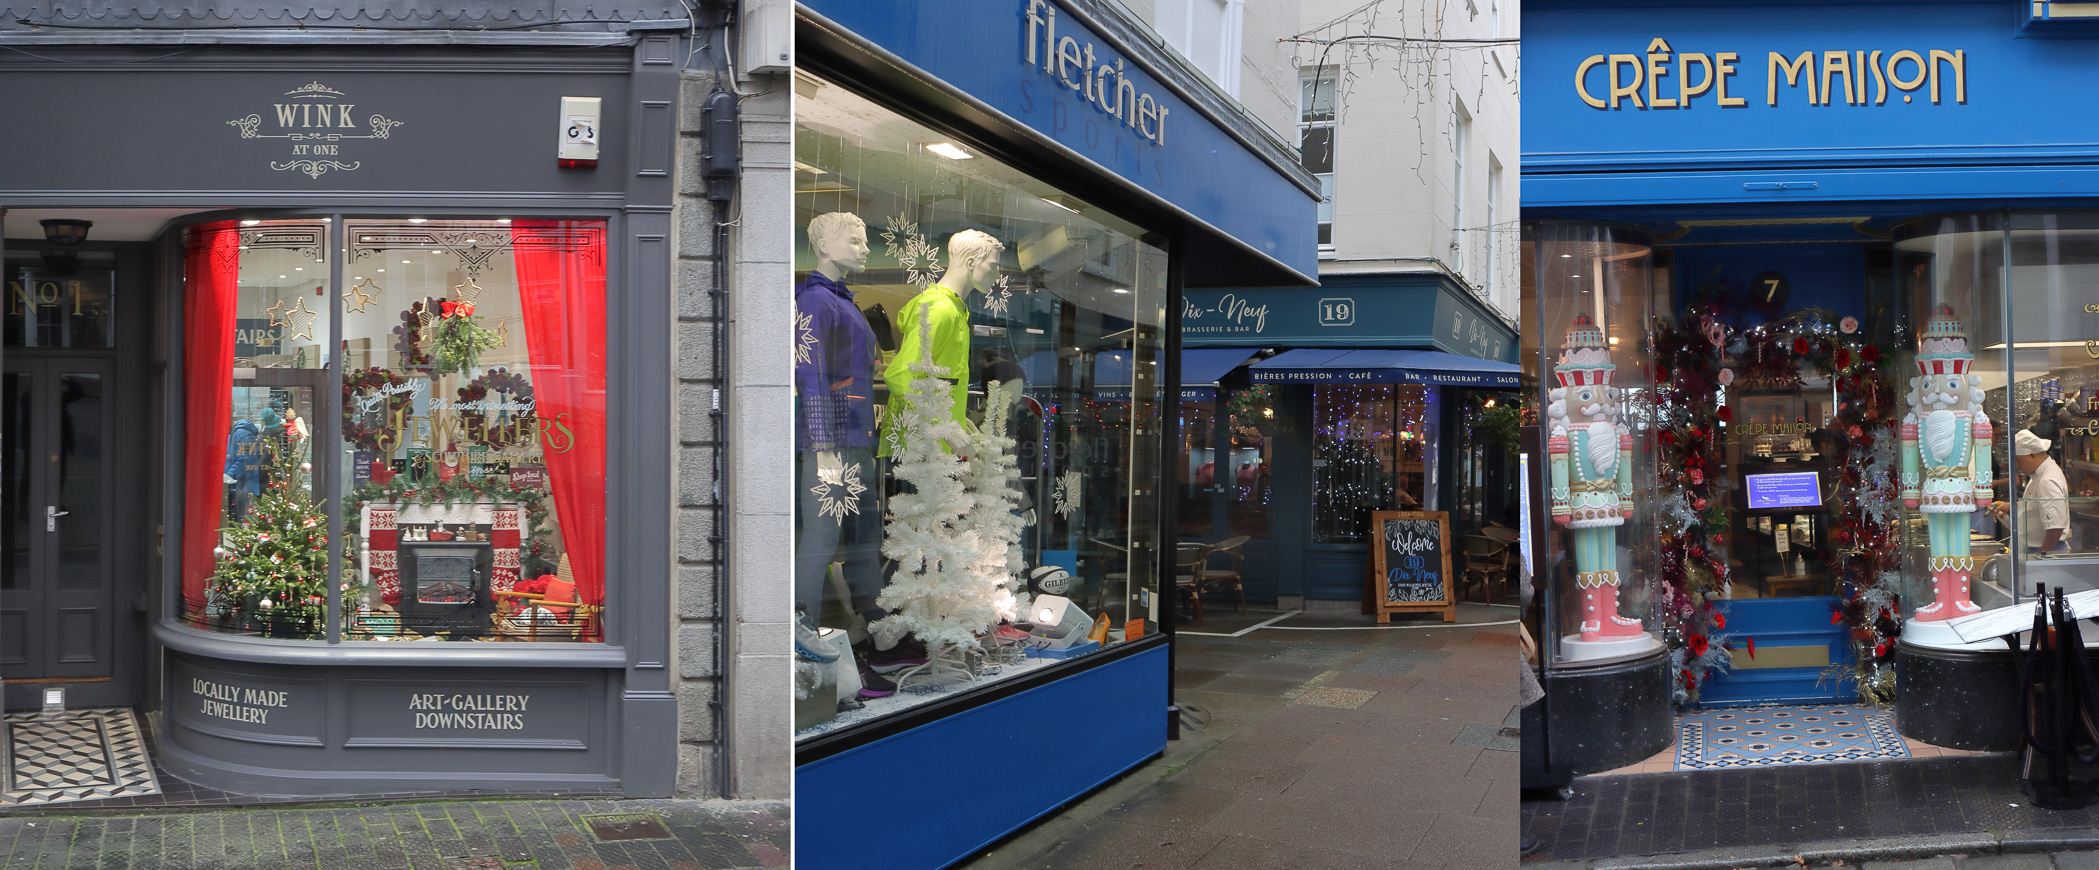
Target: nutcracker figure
[[1946, 471], [1592, 480]]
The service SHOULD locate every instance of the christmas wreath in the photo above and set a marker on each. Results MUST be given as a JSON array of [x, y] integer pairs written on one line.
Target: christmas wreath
[[357, 430], [515, 390], [408, 339], [459, 337]]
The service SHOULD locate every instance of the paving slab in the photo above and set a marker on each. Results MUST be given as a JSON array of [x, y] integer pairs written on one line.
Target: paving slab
[[1318, 750]]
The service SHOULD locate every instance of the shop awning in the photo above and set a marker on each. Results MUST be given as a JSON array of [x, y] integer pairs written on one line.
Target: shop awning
[[1336, 366]]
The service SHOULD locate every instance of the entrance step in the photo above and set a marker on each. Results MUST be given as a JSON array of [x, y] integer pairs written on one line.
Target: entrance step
[[74, 755]]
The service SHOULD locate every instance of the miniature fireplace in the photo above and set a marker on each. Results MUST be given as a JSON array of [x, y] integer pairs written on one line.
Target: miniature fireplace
[[445, 586]]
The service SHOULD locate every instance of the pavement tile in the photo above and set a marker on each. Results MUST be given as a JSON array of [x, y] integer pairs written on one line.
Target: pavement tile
[[1243, 685], [1244, 853], [1173, 804], [1241, 771], [1298, 821], [2007, 862], [1346, 783], [2076, 860], [1104, 843], [1465, 841]]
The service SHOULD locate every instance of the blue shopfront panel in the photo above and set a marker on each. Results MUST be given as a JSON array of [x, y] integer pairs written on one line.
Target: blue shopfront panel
[[1037, 63], [1824, 102], [976, 776], [1783, 629]]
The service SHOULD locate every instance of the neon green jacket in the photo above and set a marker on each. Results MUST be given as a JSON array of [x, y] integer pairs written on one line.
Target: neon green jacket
[[947, 342]]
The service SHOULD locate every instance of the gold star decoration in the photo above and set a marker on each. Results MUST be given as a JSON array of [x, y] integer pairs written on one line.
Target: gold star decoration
[[298, 310], [467, 291], [355, 299], [503, 332], [278, 313]]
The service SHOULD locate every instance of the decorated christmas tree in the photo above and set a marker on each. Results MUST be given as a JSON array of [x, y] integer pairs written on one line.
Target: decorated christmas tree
[[951, 582], [272, 568]]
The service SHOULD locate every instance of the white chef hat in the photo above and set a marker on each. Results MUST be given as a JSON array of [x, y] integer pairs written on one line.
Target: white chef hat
[[2028, 444]]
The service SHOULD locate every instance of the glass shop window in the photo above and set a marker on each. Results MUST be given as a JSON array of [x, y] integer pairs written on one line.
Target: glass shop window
[[977, 417], [2053, 437], [470, 468], [1367, 455], [1252, 426], [1200, 467], [60, 298]]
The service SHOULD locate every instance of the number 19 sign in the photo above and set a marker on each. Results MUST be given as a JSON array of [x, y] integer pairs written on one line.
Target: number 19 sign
[[1337, 311]]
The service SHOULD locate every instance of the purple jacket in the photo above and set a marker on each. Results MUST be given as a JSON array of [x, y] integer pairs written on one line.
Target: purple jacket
[[834, 358]]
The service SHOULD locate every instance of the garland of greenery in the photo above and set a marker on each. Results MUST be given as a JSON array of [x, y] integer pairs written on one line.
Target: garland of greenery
[[513, 387], [1864, 548], [359, 434], [459, 337], [1694, 516], [537, 556]]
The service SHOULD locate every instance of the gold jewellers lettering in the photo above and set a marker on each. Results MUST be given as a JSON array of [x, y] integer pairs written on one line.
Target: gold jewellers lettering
[[477, 712], [315, 120], [237, 703], [28, 296], [1061, 58], [1669, 80]]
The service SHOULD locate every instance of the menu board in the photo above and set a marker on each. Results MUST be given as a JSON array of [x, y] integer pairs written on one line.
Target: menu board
[[1410, 564]]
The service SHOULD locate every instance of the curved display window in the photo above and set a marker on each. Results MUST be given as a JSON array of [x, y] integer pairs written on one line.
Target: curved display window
[[461, 428], [1588, 290], [978, 385]]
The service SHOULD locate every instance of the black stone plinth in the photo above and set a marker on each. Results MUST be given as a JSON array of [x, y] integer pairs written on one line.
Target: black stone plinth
[[1608, 716], [1963, 699]]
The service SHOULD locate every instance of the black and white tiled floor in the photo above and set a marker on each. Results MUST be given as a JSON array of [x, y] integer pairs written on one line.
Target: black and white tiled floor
[[1771, 736], [75, 755]]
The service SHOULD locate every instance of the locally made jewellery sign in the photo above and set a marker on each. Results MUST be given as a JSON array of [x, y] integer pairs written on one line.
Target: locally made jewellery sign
[[245, 706], [320, 128]]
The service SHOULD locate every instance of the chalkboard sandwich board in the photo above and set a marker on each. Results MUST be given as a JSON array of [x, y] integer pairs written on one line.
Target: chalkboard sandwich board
[[1410, 564]]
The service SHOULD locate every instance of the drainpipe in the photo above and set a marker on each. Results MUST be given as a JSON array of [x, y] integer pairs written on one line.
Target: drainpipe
[[719, 169]]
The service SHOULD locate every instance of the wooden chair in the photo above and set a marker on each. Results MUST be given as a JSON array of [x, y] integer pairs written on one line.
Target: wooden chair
[[1188, 576], [1487, 560], [1229, 578]]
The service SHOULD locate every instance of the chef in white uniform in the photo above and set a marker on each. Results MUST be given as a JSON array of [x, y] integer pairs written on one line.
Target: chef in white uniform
[[2044, 502]]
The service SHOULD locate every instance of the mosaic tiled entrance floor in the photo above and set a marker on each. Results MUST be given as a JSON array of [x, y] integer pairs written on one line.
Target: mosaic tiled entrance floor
[[1774, 736], [76, 755]]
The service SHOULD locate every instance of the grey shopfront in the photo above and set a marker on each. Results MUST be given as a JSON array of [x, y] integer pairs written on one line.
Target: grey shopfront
[[343, 157]]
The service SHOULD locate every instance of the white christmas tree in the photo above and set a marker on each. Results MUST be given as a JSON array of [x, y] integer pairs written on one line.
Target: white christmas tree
[[939, 592], [992, 478]]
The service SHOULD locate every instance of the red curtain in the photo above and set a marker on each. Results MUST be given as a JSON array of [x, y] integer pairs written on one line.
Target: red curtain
[[211, 288], [561, 286]]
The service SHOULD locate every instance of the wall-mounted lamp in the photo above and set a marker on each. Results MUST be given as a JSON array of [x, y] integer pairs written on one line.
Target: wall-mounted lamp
[[64, 232]]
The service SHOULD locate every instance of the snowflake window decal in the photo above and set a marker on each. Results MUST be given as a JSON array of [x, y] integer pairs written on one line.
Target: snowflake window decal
[[837, 488], [1066, 496], [804, 349], [919, 258], [997, 298]]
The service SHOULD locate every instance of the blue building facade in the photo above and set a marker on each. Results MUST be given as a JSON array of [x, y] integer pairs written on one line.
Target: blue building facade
[[1745, 175], [1016, 196]]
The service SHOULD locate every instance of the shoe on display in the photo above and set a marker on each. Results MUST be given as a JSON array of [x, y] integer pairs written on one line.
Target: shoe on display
[[812, 646], [872, 684], [908, 652]]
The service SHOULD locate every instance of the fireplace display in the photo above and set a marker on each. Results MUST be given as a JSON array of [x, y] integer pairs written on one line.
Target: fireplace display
[[445, 586]]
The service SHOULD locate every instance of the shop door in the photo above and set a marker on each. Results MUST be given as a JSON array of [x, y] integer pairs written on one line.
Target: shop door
[[57, 586]]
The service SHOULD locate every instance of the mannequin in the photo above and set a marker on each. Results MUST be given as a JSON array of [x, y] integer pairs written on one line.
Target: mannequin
[[246, 457], [972, 257], [834, 432]]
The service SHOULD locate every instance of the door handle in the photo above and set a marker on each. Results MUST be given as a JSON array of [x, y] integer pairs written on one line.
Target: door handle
[[51, 515]]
